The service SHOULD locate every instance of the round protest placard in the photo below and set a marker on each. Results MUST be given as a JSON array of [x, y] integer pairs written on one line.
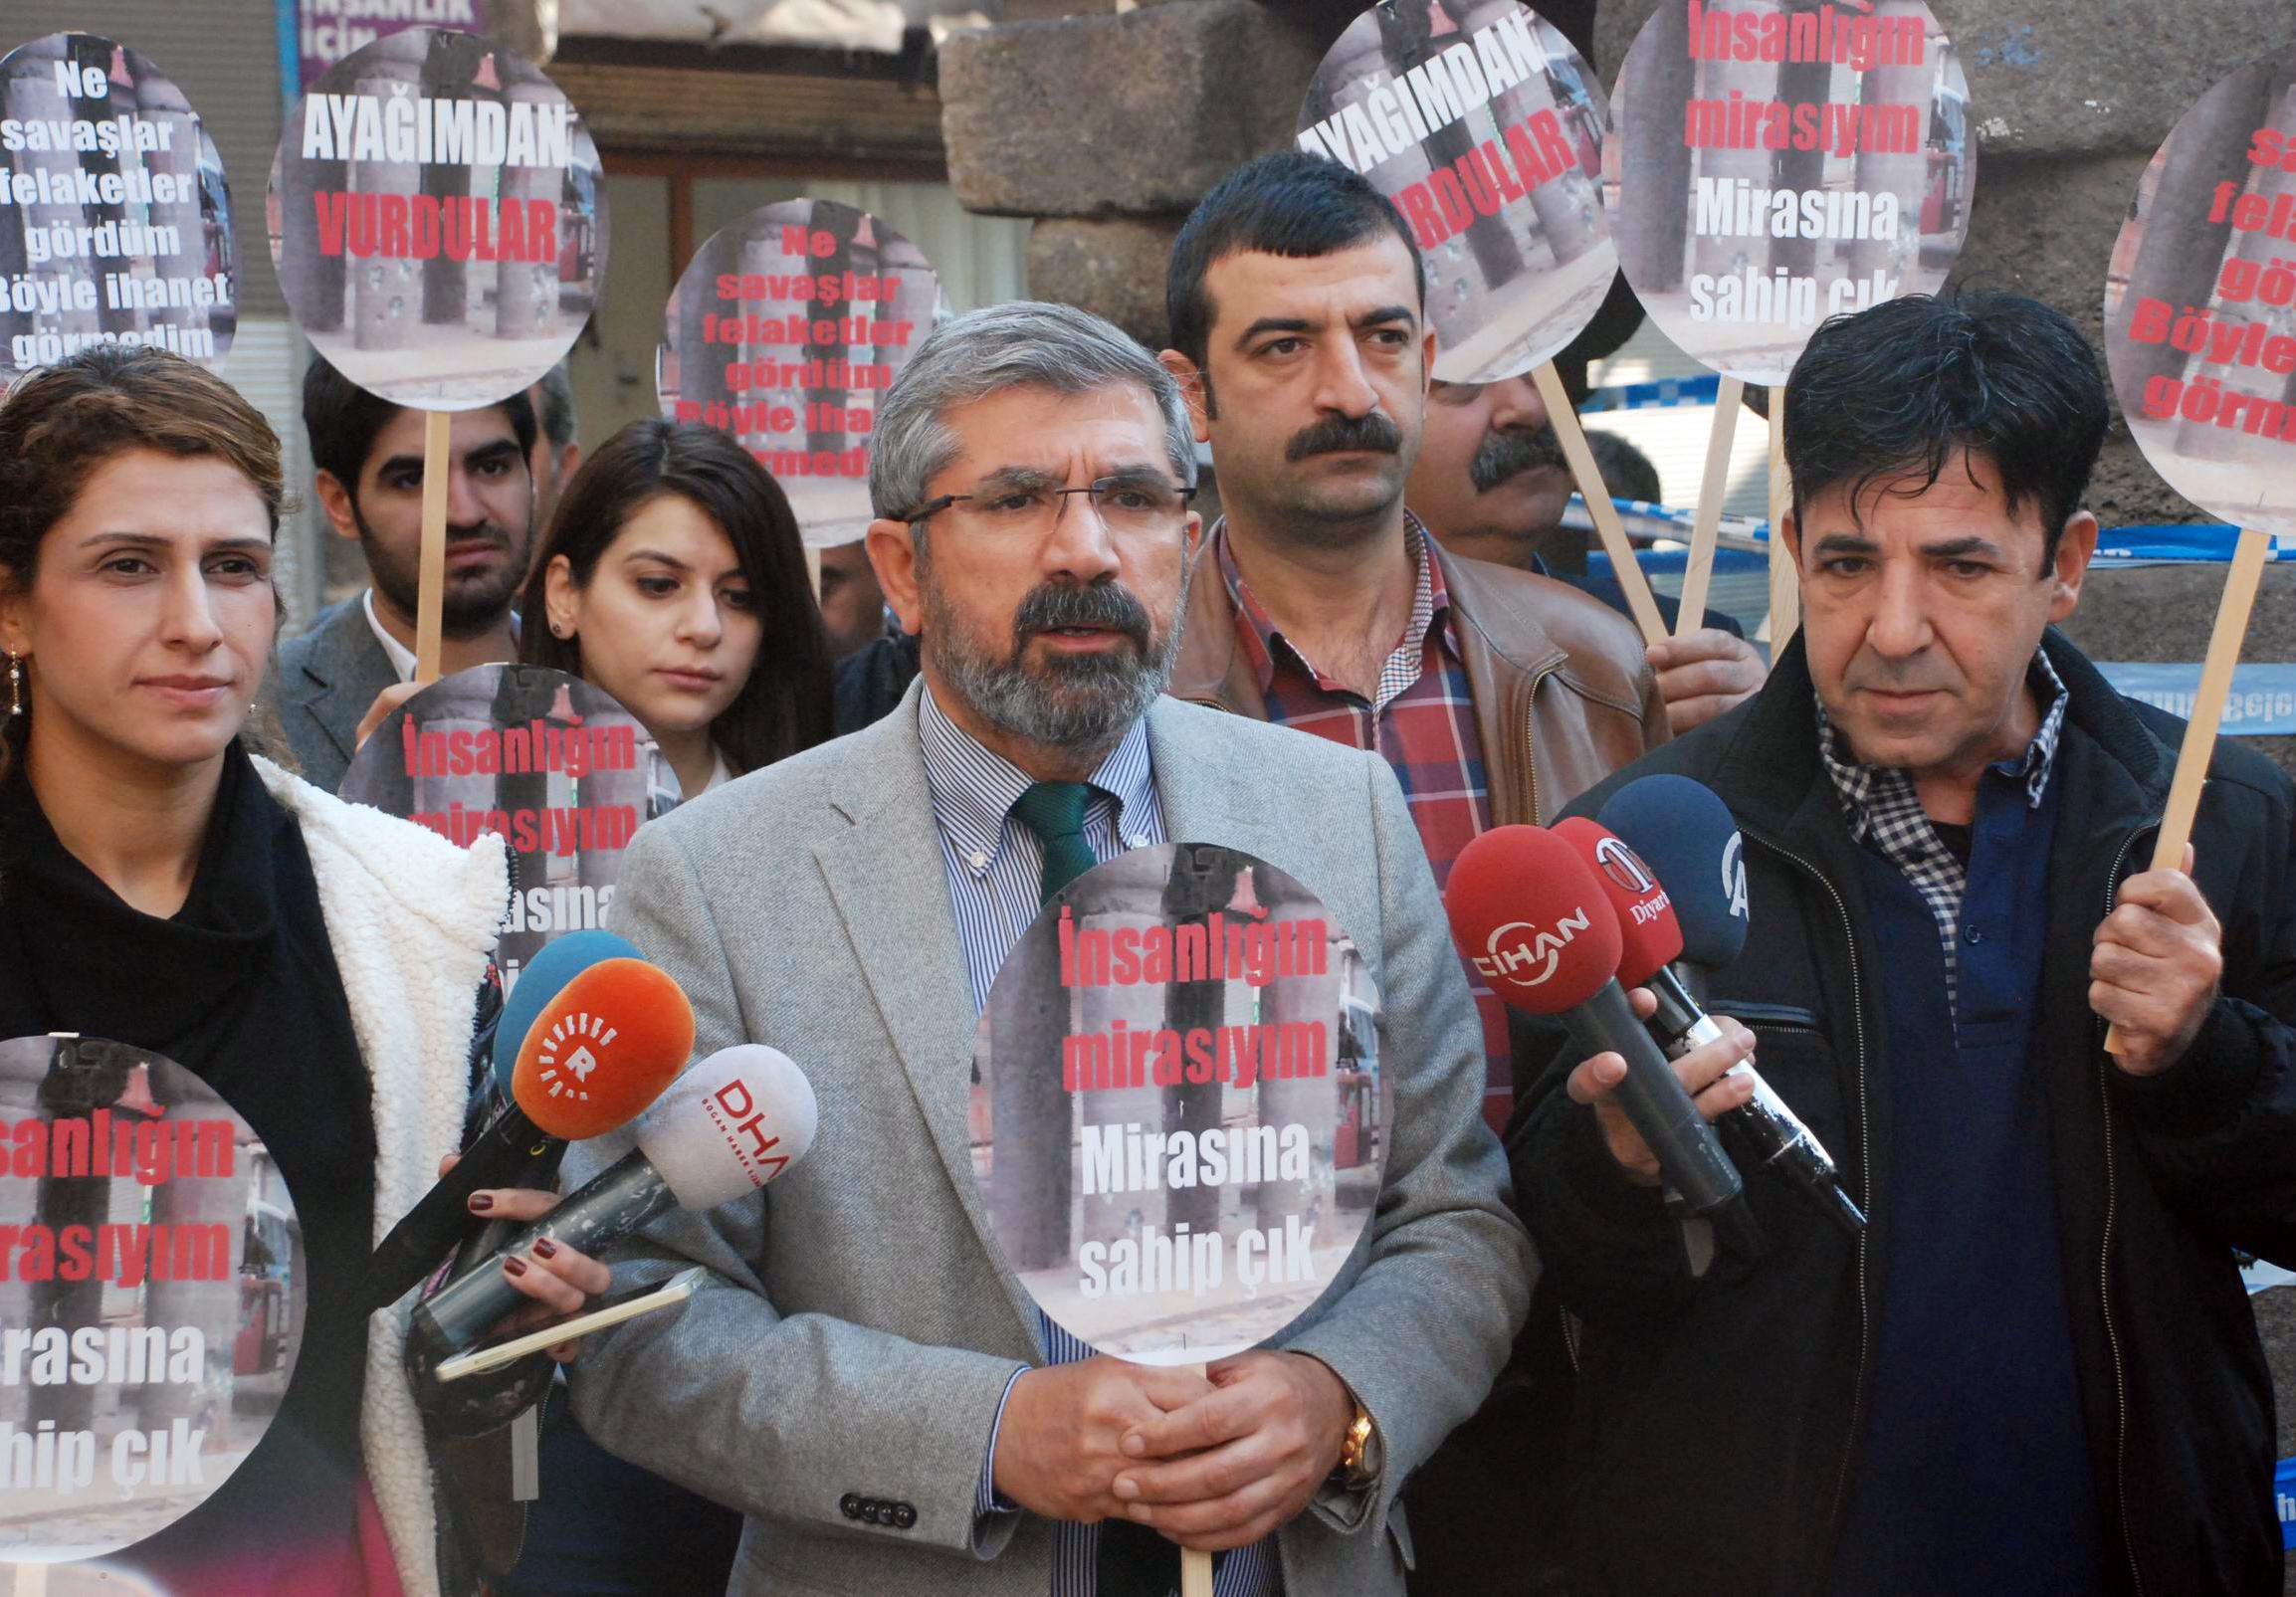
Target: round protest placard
[[1485, 127], [1776, 163], [438, 219], [554, 767], [115, 218], [2201, 301], [1179, 1122], [786, 330], [151, 1294]]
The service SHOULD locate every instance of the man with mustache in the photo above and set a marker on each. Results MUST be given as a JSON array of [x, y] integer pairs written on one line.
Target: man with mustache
[[368, 479], [1489, 484], [1297, 304], [2035, 1369], [860, 1375]]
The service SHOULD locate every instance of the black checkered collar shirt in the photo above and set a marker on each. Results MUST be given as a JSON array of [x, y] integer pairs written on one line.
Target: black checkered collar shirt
[[1881, 807]]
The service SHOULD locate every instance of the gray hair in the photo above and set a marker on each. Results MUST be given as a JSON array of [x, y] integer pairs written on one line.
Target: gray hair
[[1027, 344]]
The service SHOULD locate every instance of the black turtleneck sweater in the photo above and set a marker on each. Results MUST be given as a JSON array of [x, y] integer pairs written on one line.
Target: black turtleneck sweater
[[240, 987]]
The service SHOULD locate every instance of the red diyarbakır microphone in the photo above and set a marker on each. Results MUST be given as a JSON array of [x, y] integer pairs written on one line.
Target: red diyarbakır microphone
[[1649, 935], [1528, 912], [598, 1054]]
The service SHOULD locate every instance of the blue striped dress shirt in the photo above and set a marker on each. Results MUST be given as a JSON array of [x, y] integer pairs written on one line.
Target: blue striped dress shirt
[[995, 870]]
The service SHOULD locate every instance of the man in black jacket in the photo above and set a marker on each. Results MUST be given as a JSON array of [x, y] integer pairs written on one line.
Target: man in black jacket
[[2036, 1370]]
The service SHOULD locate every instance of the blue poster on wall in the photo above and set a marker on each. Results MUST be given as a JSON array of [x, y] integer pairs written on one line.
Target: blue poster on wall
[[2284, 1493]]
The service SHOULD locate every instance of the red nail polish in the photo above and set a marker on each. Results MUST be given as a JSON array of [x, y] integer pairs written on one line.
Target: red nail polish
[[481, 1202], [514, 1265], [544, 1248]]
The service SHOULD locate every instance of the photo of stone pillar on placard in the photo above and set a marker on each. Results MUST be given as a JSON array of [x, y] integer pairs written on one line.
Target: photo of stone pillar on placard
[[2201, 301], [786, 330], [554, 766], [1779, 162], [1179, 1121], [1485, 127], [153, 1303], [437, 218], [117, 226]]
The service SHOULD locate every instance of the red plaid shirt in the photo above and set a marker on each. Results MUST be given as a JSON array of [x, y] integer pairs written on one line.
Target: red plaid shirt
[[1422, 721]]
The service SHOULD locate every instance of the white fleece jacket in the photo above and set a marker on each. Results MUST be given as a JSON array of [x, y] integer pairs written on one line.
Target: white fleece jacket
[[412, 919]]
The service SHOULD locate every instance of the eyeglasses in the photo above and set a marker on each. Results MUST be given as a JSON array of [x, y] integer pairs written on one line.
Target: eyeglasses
[[1126, 504]]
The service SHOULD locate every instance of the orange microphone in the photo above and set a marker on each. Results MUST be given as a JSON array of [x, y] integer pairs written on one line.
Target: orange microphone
[[602, 1048]]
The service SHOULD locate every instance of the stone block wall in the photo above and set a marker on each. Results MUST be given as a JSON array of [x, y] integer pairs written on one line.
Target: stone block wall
[[1108, 125]]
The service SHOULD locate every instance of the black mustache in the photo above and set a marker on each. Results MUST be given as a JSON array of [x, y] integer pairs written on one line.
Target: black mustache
[[1103, 606], [1507, 455], [1336, 432]]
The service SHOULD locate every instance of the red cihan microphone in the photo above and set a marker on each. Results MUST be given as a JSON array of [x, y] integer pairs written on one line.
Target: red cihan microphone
[[1530, 915], [601, 1050]]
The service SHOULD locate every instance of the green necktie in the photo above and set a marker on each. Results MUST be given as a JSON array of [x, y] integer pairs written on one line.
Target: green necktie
[[1132, 1561], [1054, 811]]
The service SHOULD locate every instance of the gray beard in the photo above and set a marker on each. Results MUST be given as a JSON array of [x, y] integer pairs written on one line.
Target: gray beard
[[1087, 703]]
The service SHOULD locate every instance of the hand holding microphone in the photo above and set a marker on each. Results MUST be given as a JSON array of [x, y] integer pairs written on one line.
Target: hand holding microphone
[[559, 1280], [607, 1033], [1532, 917], [725, 1128], [1685, 844]]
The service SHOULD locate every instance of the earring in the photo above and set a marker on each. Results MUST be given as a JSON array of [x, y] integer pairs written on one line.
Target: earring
[[557, 629], [15, 685]]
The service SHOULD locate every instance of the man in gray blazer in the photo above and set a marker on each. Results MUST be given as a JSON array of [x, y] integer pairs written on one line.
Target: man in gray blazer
[[368, 479], [862, 1376]]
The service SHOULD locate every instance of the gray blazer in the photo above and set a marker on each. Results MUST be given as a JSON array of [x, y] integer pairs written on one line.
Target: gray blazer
[[859, 1329], [326, 682]]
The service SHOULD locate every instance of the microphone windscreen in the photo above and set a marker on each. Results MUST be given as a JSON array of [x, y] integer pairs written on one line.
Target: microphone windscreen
[[1648, 936], [728, 1125], [1528, 915], [559, 961], [1685, 834], [602, 1048]]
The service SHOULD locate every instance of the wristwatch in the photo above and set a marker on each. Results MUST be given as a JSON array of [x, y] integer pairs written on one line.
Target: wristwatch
[[1359, 1464]]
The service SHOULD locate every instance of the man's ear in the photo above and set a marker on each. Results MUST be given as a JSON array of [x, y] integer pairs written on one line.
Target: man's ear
[[2075, 550], [1191, 381], [892, 550], [1789, 531], [336, 501], [1429, 348]]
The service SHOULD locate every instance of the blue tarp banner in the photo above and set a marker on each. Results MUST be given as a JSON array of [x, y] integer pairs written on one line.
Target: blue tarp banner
[[2119, 545], [2284, 1493], [2262, 702], [2116, 546]]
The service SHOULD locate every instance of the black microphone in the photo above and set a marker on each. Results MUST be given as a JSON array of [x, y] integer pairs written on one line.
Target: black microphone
[[728, 1125], [1687, 837], [1532, 917]]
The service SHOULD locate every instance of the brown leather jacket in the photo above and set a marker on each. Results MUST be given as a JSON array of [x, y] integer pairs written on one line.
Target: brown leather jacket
[[1562, 692]]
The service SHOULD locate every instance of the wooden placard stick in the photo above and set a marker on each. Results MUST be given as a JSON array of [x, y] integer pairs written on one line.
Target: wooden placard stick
[[1699, 573], [2208, 711], [813, 572], [1785, 579], [1195, 1565], [1565, 416], [431, 567]]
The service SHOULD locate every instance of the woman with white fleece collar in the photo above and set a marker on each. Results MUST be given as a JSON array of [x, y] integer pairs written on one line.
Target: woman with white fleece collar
[[316, 962]]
